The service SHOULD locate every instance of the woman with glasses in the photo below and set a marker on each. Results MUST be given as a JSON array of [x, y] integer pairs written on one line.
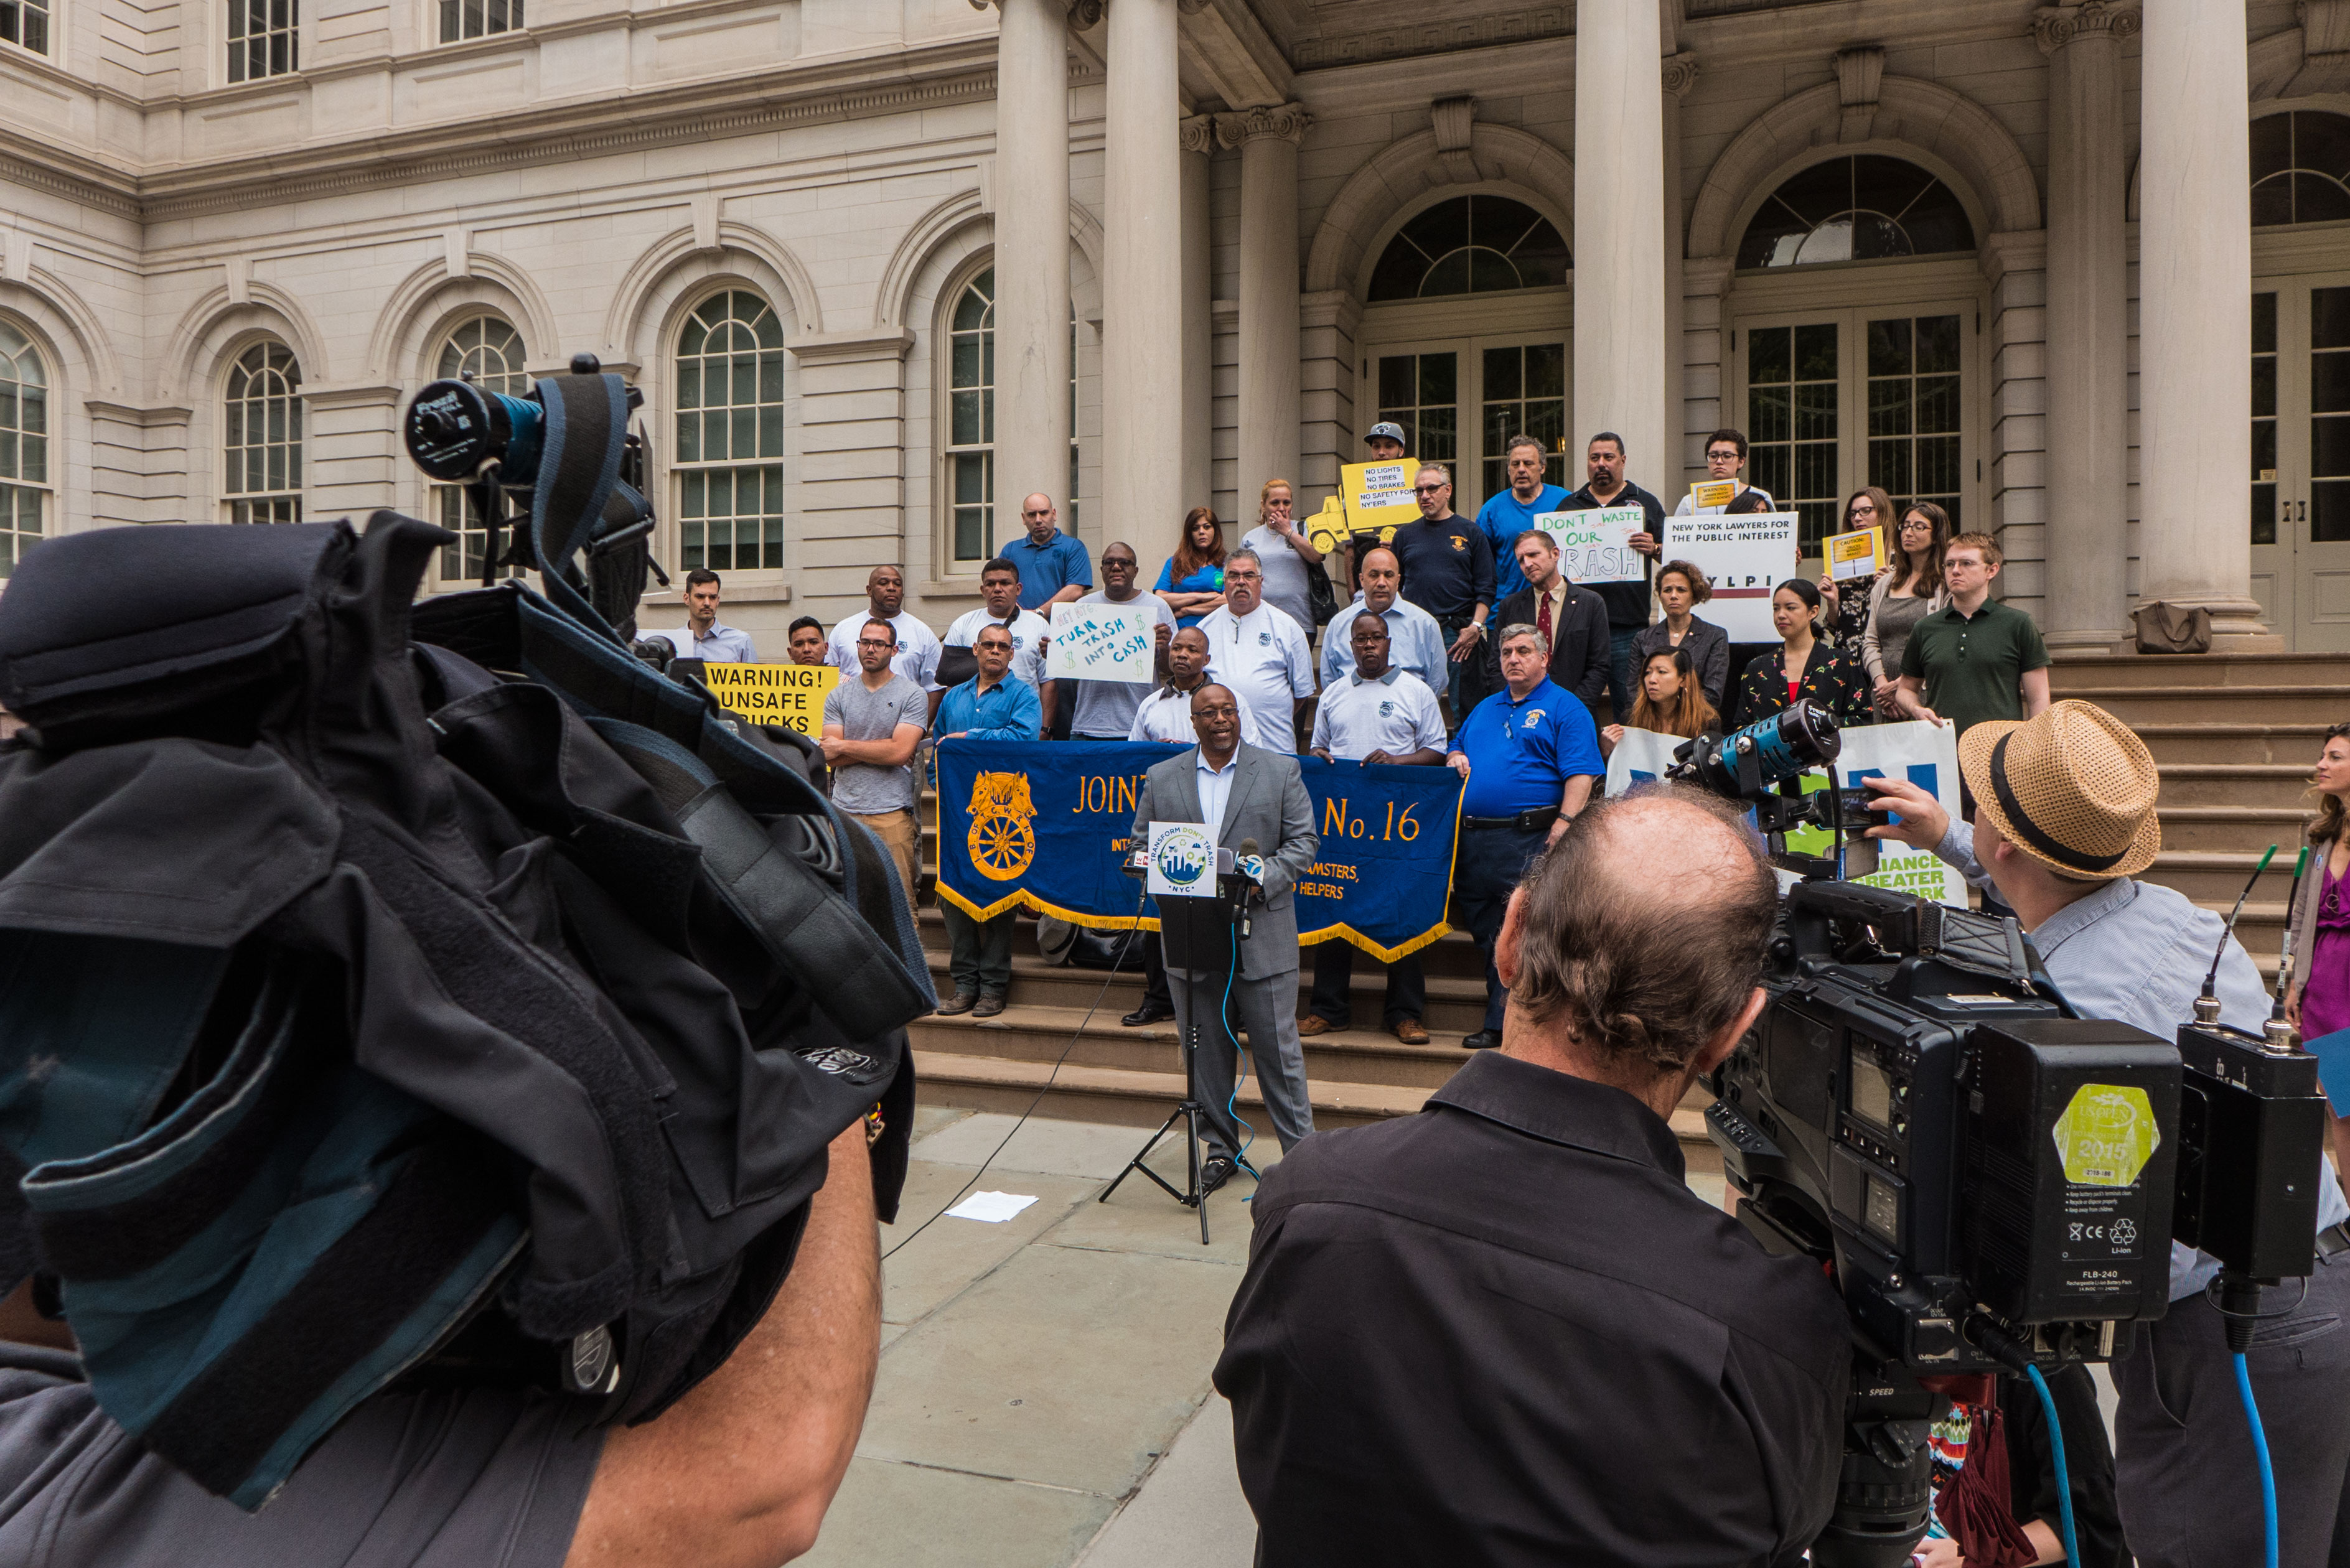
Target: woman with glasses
[[1906, 593], [1287, 554], [2319, 1003], [1192, 580], [1847, 602]]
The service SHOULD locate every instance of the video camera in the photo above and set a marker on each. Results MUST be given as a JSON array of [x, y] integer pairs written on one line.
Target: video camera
[[1992, 1179]]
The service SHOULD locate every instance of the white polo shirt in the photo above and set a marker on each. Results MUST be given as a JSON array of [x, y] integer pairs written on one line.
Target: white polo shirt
[[1262, 656], [916, 658], [1028, 634], [1166, 716], [1397, 714]]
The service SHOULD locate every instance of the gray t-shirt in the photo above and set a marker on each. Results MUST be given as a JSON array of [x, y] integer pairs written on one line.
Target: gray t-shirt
[[1106, 708], [860, 787], [481, 1477], [1285, 586]]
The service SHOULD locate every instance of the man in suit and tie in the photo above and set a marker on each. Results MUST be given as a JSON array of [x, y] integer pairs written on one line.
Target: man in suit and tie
[[1242, 792], [1574, 618]]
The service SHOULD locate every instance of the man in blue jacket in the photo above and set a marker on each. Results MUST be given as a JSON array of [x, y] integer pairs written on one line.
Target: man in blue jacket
[[993, 705]]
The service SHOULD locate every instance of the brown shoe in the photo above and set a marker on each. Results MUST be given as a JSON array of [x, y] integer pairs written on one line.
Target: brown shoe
[[961, 1001], [1408, 1030], [1313, 1024], [990, 1004]]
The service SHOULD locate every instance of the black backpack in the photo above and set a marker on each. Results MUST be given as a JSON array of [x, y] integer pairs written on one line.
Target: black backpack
[[392, 990]]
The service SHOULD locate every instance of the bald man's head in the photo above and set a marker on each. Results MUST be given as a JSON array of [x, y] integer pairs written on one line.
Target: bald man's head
[[1639, 938]]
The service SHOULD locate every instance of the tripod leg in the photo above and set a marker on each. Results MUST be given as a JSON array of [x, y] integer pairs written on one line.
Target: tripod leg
[[1193, 1113], [1136, 1163]]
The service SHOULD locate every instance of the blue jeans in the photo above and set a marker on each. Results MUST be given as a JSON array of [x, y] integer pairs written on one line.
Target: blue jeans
[[1621, 676]]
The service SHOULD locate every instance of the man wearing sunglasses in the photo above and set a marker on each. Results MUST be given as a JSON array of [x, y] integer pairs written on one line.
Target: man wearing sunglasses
[[1447, 571]]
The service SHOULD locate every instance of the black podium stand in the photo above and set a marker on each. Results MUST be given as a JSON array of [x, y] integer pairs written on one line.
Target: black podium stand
[[1198, 937]]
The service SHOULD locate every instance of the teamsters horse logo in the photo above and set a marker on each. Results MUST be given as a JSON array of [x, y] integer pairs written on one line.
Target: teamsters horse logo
[[1002, 842]]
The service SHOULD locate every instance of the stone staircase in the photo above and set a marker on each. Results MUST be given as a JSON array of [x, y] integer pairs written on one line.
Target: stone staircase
[[2233, 735]]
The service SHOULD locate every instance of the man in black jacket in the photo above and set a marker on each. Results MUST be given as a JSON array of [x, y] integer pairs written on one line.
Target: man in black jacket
[[1504, 1330], [1574, 618], [1628, 602]]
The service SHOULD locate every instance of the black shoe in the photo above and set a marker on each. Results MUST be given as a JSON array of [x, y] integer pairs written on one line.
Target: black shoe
[[1149, 1013], [961, 1001], [1484, 1040], [1215, 1173]]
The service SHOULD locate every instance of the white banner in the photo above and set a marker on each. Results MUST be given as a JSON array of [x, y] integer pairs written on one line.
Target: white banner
[[1926, 754], [1595, 546], [1745, 556], [1103, 642]]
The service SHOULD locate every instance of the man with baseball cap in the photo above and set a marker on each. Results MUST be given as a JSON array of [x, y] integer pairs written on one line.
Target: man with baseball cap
[[2064, 820]]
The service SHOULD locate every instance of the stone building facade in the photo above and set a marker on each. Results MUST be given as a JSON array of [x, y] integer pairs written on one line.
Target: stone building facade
[[880, 266]]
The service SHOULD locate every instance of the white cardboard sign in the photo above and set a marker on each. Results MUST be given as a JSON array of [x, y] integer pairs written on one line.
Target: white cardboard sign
[[1595, 546], [1103, 642], [1745, 556]]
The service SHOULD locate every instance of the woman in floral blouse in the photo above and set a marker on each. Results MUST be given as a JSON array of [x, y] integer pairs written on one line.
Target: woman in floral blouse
[[1805, 665]]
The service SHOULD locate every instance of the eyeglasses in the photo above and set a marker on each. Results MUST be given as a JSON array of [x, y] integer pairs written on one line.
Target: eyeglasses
[[1860, 506], [1722, 457], [874, 642], [1916, 526]]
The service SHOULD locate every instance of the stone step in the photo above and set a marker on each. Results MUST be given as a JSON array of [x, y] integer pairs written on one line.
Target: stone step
[[2069, 676], [2231, 829], [2279, 784], [2180, 704], [1029, 1032], [1455, 1003], [2211, 876], [2294, 743], [1142, 1099]]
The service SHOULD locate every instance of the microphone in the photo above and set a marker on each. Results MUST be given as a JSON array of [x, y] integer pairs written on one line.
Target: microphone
[[1247, 872]]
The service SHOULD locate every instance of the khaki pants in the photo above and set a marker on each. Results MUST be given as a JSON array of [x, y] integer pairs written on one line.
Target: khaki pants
[[902, 836]]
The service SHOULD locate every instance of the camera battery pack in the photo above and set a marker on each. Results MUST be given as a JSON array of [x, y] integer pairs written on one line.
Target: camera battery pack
[[2065, 1212], [2253, 1125]]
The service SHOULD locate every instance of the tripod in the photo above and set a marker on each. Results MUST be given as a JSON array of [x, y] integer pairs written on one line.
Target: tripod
[[1191, 918]]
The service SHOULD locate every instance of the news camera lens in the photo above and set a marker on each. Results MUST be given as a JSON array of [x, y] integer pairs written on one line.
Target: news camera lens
[[453, 428]]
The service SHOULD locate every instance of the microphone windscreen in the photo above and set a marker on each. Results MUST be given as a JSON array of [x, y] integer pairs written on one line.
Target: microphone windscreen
[[1248, 847]]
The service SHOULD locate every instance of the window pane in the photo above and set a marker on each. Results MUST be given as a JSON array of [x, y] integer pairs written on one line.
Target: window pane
[[1770, 355], [1547, 370], [1505, 373], [1815, 352]]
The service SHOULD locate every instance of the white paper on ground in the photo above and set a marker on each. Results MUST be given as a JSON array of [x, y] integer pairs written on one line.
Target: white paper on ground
[[993, 1208]]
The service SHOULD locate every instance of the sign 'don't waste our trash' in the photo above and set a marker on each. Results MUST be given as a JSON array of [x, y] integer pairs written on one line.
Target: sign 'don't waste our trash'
[[1103, 642]]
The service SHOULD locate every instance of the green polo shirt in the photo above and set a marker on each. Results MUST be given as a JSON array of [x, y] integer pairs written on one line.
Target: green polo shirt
[[1973, 666]]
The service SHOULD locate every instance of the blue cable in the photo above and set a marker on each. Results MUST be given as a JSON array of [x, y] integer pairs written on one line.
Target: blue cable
[[2056, 1447], [1225, 1022], [2261, 1449]]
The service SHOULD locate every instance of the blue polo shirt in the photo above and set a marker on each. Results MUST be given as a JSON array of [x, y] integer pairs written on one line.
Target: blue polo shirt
[[1522, 751], [1047, 569], [1502, 520]]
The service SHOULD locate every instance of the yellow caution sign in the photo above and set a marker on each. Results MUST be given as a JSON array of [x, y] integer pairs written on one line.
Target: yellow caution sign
[[2106, 1135], [789, 694]]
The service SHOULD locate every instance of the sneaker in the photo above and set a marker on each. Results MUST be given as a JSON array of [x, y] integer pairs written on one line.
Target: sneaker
[[961, 1001], [990, 1004]]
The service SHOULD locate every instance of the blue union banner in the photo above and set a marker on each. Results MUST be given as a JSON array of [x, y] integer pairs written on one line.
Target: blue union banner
[[1044, 826]]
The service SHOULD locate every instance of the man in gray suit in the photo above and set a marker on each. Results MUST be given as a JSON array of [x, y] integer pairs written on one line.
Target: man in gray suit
[[1243, 793]]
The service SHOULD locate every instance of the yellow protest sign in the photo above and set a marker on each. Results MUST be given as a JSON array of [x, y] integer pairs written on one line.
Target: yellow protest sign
[[1853, 555], [1326, 529], [1378, 495], [1714, 493], [2106, 1135], [789, 694]]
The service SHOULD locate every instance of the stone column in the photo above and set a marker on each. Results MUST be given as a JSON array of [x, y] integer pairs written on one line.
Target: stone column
[[1666, 471], [1267, 138], [1198, 139], [1142, 283], [2087, 533], [1032, 257], [2194, 314], [1619, 245]]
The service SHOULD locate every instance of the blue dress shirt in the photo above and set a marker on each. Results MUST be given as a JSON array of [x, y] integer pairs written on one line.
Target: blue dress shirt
[[1415, 642], [1007, 711]]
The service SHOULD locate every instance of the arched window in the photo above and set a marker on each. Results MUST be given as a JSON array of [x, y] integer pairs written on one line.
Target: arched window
[[2301, 167], [968, 457], [1863, 208], [1471, 245], [488, 350], [24, 446], [730, 434], [261, 449]]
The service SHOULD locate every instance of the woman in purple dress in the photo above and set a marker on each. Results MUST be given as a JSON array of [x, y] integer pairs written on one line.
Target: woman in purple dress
[[2321, 918]]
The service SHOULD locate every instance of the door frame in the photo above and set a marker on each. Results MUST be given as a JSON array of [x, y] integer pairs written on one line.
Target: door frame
[[2294, 568], [1466, 325]]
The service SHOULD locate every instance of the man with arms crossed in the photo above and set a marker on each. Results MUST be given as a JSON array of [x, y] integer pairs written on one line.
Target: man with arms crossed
[[1240, 791], [872, 725], [1384, 717], [2064, 822], [1504, 1332]]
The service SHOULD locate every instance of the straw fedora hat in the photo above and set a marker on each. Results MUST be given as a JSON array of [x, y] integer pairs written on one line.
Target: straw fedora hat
[[2073, 788]]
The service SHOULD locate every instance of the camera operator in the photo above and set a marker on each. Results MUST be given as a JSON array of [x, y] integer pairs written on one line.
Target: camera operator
[[1504, 1330], [2064, 816], [736, 1474]]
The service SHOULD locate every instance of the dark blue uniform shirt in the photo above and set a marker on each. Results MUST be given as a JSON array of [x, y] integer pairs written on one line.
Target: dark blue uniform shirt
[[1522, 751]]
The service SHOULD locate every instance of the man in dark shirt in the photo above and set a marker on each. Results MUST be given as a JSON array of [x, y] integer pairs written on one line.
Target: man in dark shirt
[[1447, 571], [1504, 1330], [1628, 602]]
